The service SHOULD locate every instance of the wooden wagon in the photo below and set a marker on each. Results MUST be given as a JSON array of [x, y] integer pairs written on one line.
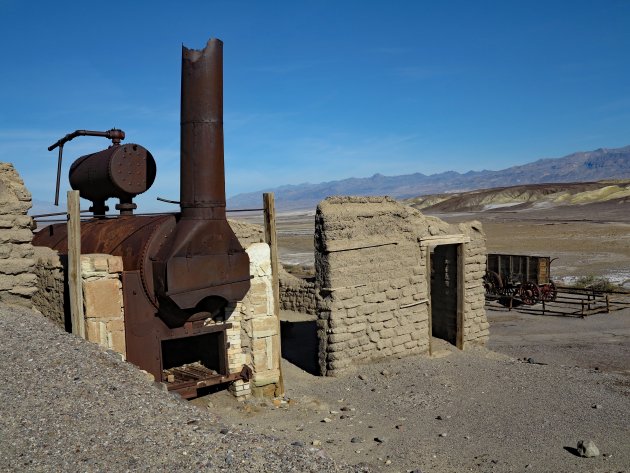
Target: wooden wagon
[[521, 277]]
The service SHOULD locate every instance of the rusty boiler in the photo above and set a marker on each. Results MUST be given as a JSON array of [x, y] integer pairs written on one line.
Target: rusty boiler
[[179, 269]]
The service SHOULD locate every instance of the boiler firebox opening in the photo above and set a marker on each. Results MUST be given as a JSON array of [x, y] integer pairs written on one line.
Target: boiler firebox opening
[[203, 349]]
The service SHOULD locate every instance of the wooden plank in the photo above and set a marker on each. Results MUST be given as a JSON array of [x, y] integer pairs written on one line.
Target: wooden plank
[[461, 294], [74, 265], [427, 271], [444, 240], [271, 238]]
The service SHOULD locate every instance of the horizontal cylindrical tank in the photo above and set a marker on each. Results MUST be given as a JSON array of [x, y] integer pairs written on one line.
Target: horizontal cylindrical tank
[[120, 171]]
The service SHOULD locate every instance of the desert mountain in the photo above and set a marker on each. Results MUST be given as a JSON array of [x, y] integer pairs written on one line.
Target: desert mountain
[[528, 196], [577, 167]]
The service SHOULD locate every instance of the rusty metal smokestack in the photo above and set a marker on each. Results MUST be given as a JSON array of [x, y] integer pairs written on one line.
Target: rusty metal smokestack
[[202, 186], [201, 266]]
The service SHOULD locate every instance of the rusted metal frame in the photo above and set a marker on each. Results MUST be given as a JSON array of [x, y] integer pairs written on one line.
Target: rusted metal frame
[[191, 329], [204, 382], [55, 214]]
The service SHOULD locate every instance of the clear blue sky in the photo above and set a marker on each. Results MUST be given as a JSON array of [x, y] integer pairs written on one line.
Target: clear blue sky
[[319, 90]]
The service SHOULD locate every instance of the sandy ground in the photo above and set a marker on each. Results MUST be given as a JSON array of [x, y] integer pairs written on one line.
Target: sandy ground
[[479, 410], [483, 409]]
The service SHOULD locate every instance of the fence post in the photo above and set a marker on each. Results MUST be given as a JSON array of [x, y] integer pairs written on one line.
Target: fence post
[[74, 265], [272, 240]]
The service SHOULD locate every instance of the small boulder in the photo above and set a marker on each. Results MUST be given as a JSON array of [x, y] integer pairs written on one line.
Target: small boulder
[[587, 449]]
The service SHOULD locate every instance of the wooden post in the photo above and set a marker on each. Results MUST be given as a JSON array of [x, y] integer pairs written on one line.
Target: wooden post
[[427, 271], [75, 285], [607, 304], [461, 294], [271, 238]]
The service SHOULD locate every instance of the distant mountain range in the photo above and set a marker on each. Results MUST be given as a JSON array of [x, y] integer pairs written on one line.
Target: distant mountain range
[[577, 167]]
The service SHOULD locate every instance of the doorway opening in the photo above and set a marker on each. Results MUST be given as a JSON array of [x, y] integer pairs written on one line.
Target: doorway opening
[[446, 295]]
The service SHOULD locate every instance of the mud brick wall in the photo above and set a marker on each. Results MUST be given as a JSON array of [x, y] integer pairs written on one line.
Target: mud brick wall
[[476, 326], [18, 282], [369, 274], [297, 294], [372, 280], [49, 298], [103, 301], [247, 233]]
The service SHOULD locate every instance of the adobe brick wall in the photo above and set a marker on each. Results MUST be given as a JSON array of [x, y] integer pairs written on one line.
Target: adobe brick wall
[[370, 263], [49, 299], [18, 282], [297, 294]]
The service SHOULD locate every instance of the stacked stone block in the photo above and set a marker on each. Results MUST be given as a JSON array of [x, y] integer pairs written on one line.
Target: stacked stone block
[[297, 294], [49, 299], [103, 301], [18, 282], [259, 325]]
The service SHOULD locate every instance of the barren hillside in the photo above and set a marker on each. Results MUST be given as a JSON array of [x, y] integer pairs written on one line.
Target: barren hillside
[[531, 196]]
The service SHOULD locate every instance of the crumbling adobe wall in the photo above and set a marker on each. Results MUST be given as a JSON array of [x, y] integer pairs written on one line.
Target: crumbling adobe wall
[[247, 233], [18, 282], [49, 299], [370, 259], [476, 327], [297, 294]]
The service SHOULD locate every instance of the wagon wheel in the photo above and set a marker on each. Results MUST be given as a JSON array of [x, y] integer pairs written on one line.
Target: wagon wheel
[[529, 293], [492, 283], [550, 292]]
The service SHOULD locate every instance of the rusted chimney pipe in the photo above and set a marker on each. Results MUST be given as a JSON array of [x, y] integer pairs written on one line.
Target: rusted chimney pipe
[[202, 184]]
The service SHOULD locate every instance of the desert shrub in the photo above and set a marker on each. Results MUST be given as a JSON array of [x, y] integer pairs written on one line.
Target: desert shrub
[[596, 283]]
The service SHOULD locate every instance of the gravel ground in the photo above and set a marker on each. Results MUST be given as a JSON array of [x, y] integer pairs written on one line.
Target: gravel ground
[[67, 405], [478, 410]]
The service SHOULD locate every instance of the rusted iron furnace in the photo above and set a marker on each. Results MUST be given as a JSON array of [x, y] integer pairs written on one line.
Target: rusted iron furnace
[[179, 269]]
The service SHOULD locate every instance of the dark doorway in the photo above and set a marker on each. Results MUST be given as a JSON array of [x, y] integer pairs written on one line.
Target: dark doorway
[[444, 292]]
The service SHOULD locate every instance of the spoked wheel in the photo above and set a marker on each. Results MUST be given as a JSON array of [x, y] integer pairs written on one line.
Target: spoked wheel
[[550, 292], [492, 283], [529, 293]]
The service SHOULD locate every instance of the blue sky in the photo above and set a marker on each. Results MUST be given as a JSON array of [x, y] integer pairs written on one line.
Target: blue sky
[[318, 90]]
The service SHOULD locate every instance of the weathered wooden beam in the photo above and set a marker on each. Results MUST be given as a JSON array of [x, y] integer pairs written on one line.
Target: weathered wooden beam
[[75, 285], [271, 238]]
